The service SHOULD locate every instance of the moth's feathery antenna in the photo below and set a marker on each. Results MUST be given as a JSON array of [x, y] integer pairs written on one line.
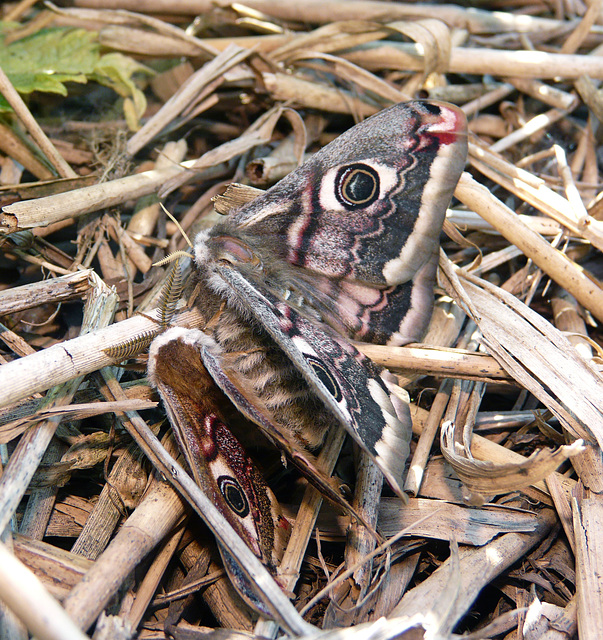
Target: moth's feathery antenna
[[130, 347], [170, 294], [168, 298], [172, 289]]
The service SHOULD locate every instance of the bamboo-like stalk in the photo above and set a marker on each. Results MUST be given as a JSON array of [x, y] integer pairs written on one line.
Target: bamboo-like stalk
[[555, 264], [31, 124], [41, 212], [140, 533], [320, 11], [409, 57], [428, 433], [443, 362], [24, 594], [28, 454], [588, 514], [70, 287]]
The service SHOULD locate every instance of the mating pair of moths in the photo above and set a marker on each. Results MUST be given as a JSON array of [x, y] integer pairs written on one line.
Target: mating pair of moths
[[343, 250]]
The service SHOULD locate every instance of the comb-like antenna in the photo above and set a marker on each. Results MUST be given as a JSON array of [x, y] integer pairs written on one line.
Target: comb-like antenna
[[130, 347], [172, 289], [170, 294]]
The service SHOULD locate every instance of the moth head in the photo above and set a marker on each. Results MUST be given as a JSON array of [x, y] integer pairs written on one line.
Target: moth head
[[234, 251], [224, 248]]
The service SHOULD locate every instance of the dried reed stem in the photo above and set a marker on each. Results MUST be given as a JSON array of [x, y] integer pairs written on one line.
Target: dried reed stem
[[25, 595], [31, 124]]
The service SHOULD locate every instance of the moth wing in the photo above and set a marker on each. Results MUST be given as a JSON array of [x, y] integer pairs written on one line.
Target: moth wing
[[355, 231], [358, 392], [247, 401], [216, 459]]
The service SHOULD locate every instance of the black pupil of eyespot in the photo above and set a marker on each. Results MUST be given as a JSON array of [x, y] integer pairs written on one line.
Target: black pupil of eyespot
[[234, 496], [324, 375], [357, 185]]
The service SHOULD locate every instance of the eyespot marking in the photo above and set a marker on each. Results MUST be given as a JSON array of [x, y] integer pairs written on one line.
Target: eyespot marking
[[325, 376], [234, 495], [357, 185]]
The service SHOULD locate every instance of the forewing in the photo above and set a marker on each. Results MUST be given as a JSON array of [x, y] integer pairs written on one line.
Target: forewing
[[353, 233], [355, 389]]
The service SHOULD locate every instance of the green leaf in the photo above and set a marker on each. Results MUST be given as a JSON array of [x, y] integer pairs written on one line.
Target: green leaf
[[47, 59], [117, 71]]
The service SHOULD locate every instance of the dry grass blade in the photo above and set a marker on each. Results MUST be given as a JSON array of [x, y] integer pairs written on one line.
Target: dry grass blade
[[191, 91], [485, 478], [542, 360], [587, 528]]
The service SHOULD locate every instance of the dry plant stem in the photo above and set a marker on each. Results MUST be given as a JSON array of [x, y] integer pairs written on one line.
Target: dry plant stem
[[348, 604], [588, 523], [488, 99], [525, 186], [11, 628], [141, 532], [313, 95], [53, 291], [579, 34], [260, 132], [409, 57], [72, 358], [305, 520], [28, 214], [147, 212], [309, 508], [562, 501], [555, 264], [28, 454], [545, 93], [189, 92], [58, 570], [567, 318], [428, 434], [16, 12], [41, 501], [535, 124], [478, 567], [23, 113], [127, 17], [15, 342], [472, 221], [443, 362], [321, 11], [369, 483], [14, 148], [149, 585], [571, 190], [103, 519], [141, 42], [25, 595]]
